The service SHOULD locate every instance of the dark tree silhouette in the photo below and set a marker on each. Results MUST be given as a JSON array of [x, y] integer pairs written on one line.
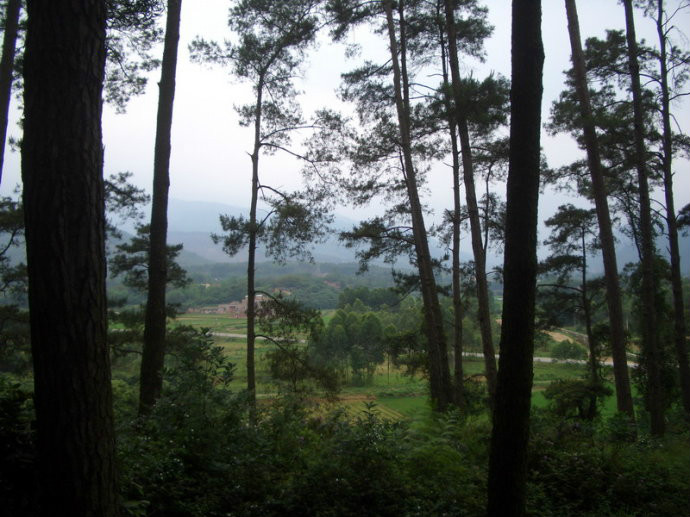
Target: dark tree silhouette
[[153, 352], [508, 454], [62, 162]]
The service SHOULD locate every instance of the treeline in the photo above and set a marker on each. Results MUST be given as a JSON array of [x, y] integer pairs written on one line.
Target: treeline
[[318, 286]]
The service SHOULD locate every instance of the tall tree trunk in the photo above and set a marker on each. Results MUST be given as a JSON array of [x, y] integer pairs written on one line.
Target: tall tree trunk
[[457, 285], [608, 249], [251, 258], [439, 372], [679, 326], [458, 374], [649, 280], [153, 356], [509, 437], [483, 310], [9, 44], [62, 169]]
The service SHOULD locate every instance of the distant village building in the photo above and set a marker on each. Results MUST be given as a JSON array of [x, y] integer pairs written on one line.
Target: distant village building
[[233, 309]]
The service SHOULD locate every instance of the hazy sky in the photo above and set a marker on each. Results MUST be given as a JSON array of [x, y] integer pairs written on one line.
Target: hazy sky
[[209, 159]]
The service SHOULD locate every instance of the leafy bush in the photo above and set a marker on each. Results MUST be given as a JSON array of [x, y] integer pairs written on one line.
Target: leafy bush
[[17, 449], [576, 397], [575, 471], [568, 350]]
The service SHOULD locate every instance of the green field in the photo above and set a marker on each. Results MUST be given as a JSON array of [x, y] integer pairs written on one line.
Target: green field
[[214, 322], [395, 394]]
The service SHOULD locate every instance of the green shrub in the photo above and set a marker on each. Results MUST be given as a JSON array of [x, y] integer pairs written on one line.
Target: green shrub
[[568, 350], [576, 397], [17, 449]]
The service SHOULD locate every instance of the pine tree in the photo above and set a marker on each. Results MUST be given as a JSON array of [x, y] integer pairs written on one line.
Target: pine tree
[[509, 437], [62, 162]]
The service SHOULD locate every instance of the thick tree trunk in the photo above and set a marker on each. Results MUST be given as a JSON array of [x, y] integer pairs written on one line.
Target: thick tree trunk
[[649, 280], [509, 437], [153, 356], [608, 249], [439, 372], [483, 309], [9, 44], [62, 166], [679, 327]]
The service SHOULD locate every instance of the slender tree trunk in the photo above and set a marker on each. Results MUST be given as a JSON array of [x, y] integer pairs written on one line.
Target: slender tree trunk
[[649, 280], [679, 326], [62, 167], [587, 310], [153, 356], [439, 372], [457, 285], [608, 249], [458, 374], [251, 259], [9, 44], [487, 190], [509, 437], [483, 310]]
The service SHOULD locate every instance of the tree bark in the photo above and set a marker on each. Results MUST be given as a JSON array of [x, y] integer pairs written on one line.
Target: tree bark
[[649, 280], [509, 437], [679, 327], [608, 248], [483, 310], [439, 372], [153, 354], [9, 44], [62, 165]]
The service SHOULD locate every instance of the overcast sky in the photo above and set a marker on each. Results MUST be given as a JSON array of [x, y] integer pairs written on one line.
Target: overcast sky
[[209, 158]]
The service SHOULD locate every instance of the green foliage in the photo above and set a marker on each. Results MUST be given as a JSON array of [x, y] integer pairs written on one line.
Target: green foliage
[[133, 31], [17, 449], [576, 397], [293, 222], [568, 349], [14, 319], [576, 471], [123, 202], [371, 298], [664, 330], [131, 261], [353, 340], [291, 328]]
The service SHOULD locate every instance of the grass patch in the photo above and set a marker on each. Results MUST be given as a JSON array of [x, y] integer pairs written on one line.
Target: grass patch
[[214, 322]]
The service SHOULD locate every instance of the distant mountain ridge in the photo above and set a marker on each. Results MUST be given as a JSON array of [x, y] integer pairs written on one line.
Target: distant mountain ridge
[[192, 223]]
